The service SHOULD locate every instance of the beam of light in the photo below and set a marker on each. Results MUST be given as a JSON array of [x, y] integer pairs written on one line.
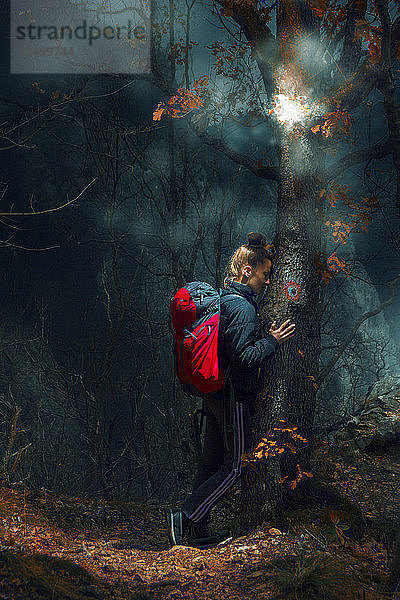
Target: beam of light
[[292, 110]]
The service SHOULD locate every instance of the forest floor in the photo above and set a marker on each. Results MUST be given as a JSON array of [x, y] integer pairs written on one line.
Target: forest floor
[[63, 548]]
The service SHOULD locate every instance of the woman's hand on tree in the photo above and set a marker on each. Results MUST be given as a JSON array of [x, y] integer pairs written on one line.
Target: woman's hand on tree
[[284, 332]]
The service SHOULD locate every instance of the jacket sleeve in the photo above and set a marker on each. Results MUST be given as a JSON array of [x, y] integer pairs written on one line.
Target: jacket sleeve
[[242, 345]]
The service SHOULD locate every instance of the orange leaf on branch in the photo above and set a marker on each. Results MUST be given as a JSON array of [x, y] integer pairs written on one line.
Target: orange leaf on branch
[[318, 6], [371, 35], [299, 477], [333, 15], [328, 267], [157, 114], [337, 124], [183, 102], [375, 53]]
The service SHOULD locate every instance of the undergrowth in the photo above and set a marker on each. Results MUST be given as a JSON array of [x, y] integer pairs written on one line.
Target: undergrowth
[[318, 576]]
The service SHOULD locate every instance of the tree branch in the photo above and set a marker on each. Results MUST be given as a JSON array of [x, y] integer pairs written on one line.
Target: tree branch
[[395, 41], [386, 86], [168, 88], [360, 156], [351, 53], [328, 367], [254, 26], [237, 157], [48, 210], [356, 89]]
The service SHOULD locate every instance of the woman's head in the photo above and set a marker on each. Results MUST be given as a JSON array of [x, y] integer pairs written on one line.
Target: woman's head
[[251, 263]]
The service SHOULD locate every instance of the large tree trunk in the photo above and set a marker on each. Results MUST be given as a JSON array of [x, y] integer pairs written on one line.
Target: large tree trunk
[[387, 87], [289, 391], [289, 388]]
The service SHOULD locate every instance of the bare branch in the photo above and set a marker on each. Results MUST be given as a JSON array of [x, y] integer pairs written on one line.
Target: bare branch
[[48, 210], [371, 313], [395, 41], [356, 89], [237, 157], [351, 53], [160, 81], [358, 157], [387, 86]]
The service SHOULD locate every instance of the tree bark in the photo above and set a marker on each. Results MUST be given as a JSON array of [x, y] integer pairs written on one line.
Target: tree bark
[[289, 391], [387, 87]]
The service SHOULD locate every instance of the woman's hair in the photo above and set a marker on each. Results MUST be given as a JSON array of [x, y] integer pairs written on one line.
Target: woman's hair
[[253, 253]]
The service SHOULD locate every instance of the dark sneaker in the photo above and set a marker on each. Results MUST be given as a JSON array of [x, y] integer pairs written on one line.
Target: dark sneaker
[[200, 535], [200, 529], [210, 541], [177, 523]]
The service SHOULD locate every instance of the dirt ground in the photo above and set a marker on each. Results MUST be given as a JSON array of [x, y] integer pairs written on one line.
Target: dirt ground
[[56, 547]]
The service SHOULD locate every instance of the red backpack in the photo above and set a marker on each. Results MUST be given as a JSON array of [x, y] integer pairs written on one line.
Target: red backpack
[[195, 313]]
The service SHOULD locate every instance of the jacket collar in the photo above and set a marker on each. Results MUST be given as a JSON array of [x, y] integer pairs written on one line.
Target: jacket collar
[[239, 288]]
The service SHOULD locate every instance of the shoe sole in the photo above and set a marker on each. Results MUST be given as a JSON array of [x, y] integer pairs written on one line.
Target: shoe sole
[[170, 518], [210, 540], [204, 543]]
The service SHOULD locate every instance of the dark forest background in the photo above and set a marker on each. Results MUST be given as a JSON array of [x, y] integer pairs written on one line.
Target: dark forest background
[[88, 401]]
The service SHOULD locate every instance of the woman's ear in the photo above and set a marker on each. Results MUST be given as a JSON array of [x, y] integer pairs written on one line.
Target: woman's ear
[[246, 271]]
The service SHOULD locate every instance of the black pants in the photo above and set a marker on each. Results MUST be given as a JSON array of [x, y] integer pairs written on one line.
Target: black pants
[[221, 465]]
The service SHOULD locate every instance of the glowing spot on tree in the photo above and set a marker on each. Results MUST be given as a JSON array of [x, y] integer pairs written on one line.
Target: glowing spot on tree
[[290, 110]]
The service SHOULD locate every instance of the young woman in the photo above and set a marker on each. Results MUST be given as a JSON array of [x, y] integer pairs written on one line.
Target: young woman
[[242, 348]]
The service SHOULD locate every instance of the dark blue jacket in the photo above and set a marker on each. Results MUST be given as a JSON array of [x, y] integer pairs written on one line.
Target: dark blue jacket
[[241, 343]]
